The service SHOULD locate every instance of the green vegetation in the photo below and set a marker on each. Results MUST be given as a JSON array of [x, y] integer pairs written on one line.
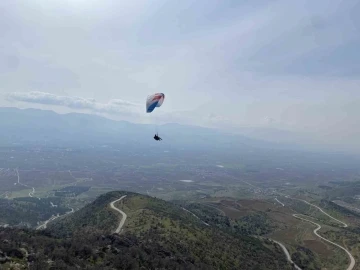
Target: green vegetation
[[334, 208], [256, 223], [28, 211], [96, 215], [71, 191], [344, 189], [157, 234], [89, 249], [305, 258]]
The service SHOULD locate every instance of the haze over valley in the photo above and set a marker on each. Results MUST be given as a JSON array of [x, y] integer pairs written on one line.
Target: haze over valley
[[179, 135], [231, 183]]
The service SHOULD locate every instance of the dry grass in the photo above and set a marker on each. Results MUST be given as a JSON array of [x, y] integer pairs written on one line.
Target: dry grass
[[319, 247]]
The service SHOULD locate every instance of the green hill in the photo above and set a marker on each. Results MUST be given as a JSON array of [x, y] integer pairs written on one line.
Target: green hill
[[159, 234], [96, 215], [156, 235]]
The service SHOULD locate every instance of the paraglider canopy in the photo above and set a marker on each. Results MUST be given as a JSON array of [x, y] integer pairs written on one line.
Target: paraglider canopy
[[153, 101]]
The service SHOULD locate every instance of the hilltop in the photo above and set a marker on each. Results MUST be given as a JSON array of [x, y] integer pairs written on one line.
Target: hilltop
[[94, 216], [157, 234]]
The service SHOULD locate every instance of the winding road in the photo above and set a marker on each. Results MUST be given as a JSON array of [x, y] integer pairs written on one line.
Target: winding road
[[32, 192], [124, 216], [288, 257], [44, 225], [343, 224], [352, 260]]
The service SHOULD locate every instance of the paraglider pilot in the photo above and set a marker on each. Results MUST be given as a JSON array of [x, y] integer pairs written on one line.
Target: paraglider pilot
[[152, 102], [156, 137]]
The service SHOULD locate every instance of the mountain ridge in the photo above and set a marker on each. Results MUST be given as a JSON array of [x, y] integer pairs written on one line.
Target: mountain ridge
[[173, 232], [33, 126]]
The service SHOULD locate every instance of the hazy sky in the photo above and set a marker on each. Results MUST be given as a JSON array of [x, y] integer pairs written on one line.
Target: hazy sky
[[293, 65]]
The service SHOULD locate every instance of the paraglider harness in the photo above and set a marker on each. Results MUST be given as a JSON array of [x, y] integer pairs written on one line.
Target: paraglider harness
[[157, 138]]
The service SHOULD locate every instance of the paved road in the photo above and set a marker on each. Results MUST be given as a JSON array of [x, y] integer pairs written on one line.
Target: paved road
[[352, 260], [124, 216]]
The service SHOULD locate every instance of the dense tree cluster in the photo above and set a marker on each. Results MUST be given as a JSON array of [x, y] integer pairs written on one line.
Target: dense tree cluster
[[305, 259], [90, 249], [256, 223]]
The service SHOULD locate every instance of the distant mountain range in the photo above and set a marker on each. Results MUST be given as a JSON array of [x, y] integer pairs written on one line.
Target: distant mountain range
[[33, 126], [43, 127]]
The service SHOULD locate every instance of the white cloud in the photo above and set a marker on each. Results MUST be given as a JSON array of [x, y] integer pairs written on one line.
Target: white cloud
[[288, 65], [114, 106]]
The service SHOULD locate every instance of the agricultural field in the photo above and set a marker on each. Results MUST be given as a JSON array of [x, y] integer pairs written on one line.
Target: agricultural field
[[240, 197]]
